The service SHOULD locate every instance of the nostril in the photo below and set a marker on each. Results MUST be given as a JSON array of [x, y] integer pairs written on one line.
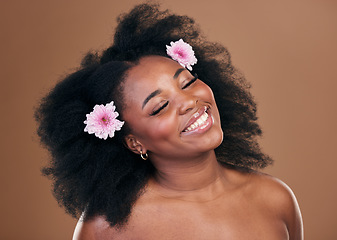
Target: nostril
[[189, 109], [187, 105]]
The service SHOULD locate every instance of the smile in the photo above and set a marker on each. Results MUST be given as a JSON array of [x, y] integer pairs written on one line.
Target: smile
[[201, 121]]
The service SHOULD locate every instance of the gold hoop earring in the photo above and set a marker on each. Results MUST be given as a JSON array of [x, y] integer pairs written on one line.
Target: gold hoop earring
[[144, 157]]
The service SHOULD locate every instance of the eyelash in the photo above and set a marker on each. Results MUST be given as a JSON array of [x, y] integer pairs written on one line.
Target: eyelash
[[192, 81], [166, 103], [159, 109]]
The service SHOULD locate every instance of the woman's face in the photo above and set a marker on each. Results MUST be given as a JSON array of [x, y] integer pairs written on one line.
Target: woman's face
[[171, 114]]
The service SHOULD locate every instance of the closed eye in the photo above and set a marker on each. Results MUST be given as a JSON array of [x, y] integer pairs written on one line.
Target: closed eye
[[156, 111], [190, 82]]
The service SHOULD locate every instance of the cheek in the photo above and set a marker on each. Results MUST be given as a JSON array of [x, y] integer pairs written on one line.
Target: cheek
[[161, 128], [205, 92], [154, 132]]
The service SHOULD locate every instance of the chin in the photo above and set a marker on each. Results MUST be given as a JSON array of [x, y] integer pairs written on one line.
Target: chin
[[218, 139], [212, 141]]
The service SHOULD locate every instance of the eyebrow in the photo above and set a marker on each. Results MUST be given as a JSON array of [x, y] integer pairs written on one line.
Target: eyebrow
[[153, 94], [178, 72], [158, 91]]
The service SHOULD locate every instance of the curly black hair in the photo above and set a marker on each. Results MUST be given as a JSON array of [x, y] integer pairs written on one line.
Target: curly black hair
[[103, 177]]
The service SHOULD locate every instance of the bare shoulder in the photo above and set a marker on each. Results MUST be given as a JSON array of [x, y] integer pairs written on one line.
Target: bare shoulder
[[96, 228], [271, 188], [277, 196]]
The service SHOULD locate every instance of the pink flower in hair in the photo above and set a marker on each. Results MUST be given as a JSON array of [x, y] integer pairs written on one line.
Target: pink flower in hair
[[102, 121], [182, 53]]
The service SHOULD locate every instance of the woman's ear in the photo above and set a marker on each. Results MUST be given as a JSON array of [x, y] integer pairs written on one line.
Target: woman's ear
[[134, 145]]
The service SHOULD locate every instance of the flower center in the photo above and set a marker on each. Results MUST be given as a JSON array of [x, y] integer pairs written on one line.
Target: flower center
[[181, 53], [105, 120]]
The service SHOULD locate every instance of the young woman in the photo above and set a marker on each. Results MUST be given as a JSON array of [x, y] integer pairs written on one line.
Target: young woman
[[155, 138]]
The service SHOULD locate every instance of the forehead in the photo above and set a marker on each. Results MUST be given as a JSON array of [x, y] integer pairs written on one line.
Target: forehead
[[148, 75], [152, 66]]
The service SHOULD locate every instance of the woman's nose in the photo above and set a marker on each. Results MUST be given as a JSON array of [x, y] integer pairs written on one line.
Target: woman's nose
[[186, 102]]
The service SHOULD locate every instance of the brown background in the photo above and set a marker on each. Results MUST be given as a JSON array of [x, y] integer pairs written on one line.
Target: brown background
[[287, 49]]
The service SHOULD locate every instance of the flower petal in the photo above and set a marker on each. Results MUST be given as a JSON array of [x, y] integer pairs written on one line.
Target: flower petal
[[102, 121], [182, 53]]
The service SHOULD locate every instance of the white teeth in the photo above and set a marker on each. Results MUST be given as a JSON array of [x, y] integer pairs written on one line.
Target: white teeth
[[201, 120]]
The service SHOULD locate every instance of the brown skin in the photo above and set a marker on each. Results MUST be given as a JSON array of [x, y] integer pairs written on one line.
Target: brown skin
[[191, 196]]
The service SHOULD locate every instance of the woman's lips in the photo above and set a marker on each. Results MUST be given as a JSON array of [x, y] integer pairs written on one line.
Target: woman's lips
[[200, 122]]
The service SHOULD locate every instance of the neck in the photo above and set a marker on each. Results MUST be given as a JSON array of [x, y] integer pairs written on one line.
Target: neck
[[203, 176]]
